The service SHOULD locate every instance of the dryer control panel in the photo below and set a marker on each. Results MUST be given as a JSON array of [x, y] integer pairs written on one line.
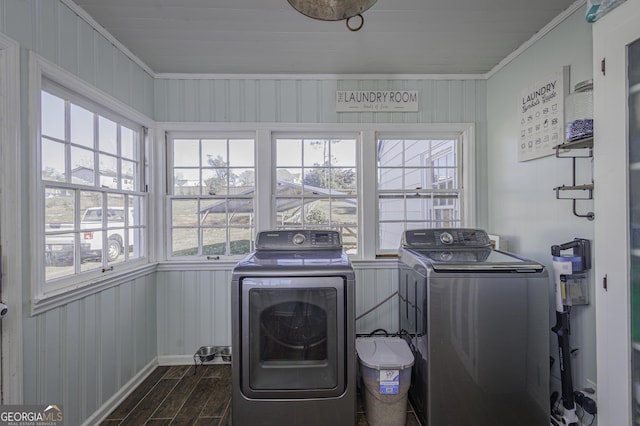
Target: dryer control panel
[[445, 237], [294, 239]]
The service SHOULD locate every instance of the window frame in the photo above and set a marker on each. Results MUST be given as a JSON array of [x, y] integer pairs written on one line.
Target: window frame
[[320, 135], [170, 136], [459, 169], [366, 176], [45, 295]]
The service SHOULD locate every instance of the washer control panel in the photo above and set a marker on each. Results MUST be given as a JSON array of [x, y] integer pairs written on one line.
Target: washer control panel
[[445, 237], [305, 239]]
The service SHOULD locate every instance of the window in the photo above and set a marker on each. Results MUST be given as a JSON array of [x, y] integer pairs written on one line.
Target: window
[[91, 175], [418, 187], [315, 185], [211, 196]]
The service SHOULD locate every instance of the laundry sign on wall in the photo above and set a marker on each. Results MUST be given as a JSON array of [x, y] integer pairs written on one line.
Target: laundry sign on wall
[[541, 107], [376, 101]]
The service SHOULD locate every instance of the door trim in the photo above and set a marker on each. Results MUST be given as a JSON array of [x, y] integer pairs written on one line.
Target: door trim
[[10, 222]]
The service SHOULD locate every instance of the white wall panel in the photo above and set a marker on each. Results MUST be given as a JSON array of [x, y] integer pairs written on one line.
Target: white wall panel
[[194, 307], [311, 100], [52, 30], [81, 354]]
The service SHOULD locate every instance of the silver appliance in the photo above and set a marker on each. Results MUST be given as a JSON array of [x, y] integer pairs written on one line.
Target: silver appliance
[[293, 327], [477, 321]]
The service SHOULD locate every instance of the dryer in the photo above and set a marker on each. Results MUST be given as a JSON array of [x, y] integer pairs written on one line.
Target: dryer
[[477, 321], [293, 328]]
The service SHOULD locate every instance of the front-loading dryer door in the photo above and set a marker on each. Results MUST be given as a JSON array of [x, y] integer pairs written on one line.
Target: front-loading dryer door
[[293, 337]]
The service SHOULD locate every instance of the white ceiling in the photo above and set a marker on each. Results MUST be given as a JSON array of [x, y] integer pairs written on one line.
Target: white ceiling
[[270, 37]]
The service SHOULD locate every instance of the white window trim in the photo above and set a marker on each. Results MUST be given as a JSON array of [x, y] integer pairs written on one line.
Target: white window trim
[[11, 222], [42, 297], [190, 134], [466, 151], [367, 178]]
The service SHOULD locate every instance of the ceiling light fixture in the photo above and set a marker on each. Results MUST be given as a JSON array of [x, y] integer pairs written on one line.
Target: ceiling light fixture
[[334, 10]]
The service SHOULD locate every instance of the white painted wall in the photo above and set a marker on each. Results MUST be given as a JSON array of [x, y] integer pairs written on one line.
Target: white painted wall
[[82, 355], [521, 202]]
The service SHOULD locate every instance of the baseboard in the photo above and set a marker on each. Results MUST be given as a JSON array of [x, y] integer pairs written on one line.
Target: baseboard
[[101, 413], [186, 360]]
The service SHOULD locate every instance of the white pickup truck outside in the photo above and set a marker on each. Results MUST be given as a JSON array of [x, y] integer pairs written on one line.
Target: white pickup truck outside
[[92, 219], [59, 249]]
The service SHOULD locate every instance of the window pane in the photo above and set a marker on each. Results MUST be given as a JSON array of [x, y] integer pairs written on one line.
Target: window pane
[[136, 243], [390, 153], [390, 179], [215, 181], [428, 166], [52, 115], [186, 152], [186, 181], [184, 242], [53, 160], [108, 171], [241, 153], [316, 153], [343, 181], [317, 180], [81, 126], [59, 255], [184, 212], [128, 175], [419, 208], [289, 181], [214, 153], [82, 168], [242, 181], [289, 152], [59, 208], [214, 241], [107, 136], [344, 211], [240, 240], [289, 212], [343, 153], [391, 208], [91, 210], [127, 143]]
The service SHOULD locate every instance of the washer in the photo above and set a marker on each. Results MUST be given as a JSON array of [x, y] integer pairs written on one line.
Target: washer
[[293, 328], [477, 321]]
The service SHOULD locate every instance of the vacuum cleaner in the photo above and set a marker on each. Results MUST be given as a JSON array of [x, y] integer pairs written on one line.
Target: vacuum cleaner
[[566, 267]]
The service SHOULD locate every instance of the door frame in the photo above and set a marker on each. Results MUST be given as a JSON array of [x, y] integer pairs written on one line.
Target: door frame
[[10, 223], [611, 35]]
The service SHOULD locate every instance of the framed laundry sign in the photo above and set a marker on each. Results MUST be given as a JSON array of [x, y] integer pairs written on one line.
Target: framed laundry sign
[[376, 101], [541, 107]]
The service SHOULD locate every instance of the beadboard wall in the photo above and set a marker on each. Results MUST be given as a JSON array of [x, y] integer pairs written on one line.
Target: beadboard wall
[[194, 309]]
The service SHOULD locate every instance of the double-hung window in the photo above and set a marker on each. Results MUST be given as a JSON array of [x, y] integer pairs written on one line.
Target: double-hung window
[[211, 195], [419, 186], [91, 181], [316, 185]]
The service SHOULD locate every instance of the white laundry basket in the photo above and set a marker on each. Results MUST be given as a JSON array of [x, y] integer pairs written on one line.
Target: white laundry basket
[[385, 364]]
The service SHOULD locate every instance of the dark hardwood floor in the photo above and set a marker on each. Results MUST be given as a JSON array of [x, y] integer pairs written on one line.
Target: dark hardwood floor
[[176, 396]]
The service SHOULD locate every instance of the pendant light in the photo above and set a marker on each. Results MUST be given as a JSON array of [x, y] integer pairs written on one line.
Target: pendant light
[[334, 10]]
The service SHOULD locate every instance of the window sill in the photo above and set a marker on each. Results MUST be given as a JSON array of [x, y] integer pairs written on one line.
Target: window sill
[[58, 298]]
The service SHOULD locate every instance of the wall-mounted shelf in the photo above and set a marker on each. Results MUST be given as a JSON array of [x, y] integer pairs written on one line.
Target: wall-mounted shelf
[[575, 191]]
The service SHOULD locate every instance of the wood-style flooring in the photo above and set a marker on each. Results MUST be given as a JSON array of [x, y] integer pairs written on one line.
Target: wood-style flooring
[[176, 396]]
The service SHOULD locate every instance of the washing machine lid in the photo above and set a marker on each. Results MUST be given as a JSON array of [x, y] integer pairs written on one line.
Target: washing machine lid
[[480, 260]]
